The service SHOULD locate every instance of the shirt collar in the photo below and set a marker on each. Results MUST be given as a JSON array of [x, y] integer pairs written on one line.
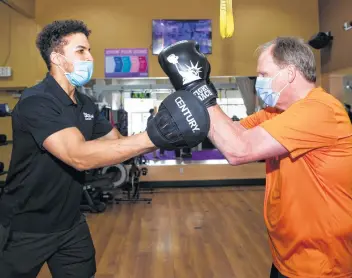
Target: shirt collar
[[56, 90]]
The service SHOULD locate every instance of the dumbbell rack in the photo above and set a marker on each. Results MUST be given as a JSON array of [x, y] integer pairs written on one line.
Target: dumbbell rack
[[2, 172], [4, 142]]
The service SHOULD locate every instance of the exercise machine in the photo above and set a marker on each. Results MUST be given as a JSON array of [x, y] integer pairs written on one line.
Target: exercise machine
[[94, 200], [114, 184], [132, 186]]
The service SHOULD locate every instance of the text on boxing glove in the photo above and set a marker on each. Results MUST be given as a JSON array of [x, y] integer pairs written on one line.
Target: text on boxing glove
[[186, 112], [203, 92]]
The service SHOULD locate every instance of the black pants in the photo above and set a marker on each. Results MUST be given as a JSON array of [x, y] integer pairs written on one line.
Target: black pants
[[69, 253], [274, 273]]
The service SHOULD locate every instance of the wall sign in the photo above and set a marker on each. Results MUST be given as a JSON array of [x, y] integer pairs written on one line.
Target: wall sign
[[126, 62]]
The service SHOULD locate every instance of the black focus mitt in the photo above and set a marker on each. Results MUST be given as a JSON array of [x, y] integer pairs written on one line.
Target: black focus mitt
[[181, 122]]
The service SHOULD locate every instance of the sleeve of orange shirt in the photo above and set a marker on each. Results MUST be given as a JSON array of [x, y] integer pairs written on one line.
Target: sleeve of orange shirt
[[303, 127], [258, 118]]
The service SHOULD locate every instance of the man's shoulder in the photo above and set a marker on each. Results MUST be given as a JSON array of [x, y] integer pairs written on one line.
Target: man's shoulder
[[36, 90], [320, 96], [317, 106], [36, 97], [317, 102], [35, 93]]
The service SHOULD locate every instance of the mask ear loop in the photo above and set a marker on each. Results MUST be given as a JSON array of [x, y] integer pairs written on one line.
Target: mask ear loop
[[277, 93], [276, 74], [65, 72], [283, 87]]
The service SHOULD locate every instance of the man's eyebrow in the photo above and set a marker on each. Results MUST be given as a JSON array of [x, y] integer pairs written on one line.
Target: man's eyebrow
[[81, 46]]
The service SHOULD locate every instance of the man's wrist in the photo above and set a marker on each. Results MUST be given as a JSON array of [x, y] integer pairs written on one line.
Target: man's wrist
[[213, 109], [147, 142]]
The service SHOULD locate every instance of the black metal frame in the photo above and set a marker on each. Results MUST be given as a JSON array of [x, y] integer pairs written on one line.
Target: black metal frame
[[98, 183], [133, 184]]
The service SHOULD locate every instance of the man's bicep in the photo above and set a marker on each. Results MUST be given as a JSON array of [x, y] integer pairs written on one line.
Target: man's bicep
[[260, 145], [305, 127], [112, 135], [64, 144], [257, 118], [102, 127]]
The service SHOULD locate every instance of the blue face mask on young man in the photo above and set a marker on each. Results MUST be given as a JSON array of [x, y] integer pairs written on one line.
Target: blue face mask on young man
[[265, 91], [82, 72]]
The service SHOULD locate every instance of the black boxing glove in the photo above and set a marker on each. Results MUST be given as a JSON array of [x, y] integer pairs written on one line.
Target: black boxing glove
[[182, 121], [188, 69]]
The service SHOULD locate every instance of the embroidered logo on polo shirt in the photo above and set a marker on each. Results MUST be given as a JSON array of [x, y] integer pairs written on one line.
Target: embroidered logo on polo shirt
[[88, 117]]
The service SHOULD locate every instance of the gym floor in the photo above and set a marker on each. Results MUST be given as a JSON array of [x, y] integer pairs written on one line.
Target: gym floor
[[183, 233]]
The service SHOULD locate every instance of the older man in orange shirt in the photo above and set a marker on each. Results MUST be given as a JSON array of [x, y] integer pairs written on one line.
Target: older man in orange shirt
[[305, 136]]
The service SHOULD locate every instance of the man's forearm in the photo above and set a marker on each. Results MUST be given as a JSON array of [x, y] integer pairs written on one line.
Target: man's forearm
[[226, 135], [100, 153]]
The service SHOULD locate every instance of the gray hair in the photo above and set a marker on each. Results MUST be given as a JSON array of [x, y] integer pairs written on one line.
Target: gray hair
[[292, 51]]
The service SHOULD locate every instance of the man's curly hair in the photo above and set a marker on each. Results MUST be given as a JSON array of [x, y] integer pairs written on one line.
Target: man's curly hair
[[52, 37]]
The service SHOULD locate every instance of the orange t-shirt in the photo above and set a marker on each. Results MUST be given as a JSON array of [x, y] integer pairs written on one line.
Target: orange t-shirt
[[308, 198]]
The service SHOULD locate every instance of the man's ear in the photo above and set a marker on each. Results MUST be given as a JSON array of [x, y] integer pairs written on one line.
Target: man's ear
[[54, 58], [292, 72]]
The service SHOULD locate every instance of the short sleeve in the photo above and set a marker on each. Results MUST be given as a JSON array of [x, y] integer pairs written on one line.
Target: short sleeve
[[42, 117], [101, 126], [258, 118], [303, 127]]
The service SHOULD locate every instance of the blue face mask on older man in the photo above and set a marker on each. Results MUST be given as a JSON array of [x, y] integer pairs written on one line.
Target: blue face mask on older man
[[265, 91]]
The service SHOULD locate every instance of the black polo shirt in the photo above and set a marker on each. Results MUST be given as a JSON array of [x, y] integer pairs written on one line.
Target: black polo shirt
[[43, 193]]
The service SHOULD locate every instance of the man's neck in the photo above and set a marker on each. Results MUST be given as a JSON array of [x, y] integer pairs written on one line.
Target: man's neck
[[64, 84], [302, 91], [298, 93]]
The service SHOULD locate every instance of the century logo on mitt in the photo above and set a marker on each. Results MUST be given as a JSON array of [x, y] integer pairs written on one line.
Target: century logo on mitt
[[187, 113]]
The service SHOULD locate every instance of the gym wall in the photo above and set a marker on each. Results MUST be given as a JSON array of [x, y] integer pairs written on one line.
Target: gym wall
[[17, 48], [333, 14], [119, 24], [336, 64], [128, 24]]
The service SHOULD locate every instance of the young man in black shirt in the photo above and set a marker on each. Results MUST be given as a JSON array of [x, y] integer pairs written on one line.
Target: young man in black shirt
[[57, 134]]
